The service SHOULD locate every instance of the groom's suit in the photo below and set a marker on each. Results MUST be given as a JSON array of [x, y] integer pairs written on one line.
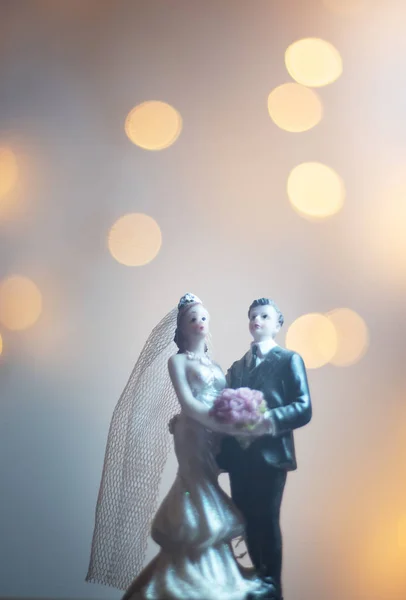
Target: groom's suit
[[258, 473]]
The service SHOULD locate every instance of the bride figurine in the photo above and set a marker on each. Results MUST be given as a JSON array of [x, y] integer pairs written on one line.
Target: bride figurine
[[197, 521]]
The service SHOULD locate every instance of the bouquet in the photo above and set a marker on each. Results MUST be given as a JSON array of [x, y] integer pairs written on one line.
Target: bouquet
[[244, 408]]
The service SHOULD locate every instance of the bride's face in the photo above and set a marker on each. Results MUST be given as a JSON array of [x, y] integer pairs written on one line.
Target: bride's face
[[195, 323]]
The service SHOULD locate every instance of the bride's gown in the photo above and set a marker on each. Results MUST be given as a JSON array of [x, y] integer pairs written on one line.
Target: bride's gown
[[197, 520]]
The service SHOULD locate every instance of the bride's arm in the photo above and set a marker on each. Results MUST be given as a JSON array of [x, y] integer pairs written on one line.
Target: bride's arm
[[190, 406]]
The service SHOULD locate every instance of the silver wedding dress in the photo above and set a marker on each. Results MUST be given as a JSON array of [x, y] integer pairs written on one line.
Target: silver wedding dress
[[196, 521]]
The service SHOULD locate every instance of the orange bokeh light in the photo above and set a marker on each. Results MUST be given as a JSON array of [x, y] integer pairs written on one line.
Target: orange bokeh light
[[135, 240], [294, 108], [8, 171], [20, 303], [314, 337], [153, 125], [315, 190], [352, 336], [313, 62]]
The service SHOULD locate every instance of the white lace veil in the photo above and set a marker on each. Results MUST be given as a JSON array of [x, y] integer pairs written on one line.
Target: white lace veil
[[138, 445]]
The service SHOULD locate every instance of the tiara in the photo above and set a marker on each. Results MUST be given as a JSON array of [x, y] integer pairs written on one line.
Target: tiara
[[188, 299]]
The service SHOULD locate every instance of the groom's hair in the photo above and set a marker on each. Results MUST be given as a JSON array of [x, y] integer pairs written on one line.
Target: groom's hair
[[267, 302]]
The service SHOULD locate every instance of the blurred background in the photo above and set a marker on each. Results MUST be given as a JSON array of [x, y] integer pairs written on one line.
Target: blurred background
[[234, 150]]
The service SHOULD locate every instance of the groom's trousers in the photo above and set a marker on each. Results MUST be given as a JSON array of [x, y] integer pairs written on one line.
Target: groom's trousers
[[257, 490]]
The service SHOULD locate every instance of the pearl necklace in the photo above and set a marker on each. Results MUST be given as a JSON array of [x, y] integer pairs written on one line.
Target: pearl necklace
[[205, 360]]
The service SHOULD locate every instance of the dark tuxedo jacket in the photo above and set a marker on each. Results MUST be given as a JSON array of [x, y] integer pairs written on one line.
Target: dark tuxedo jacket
[[282, 378]]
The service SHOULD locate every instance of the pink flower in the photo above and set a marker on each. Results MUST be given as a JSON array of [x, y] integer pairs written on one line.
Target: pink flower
[[242, 407]]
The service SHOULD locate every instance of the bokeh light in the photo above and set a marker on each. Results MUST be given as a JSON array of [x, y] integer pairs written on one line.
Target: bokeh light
[[345, 7], [382, 565], [8, 171], [315, 190], [153, 125], [20, 302], [314, 337], [352, 336], [294, 108], [313, 62], [135, 239], [402, 532], [387, 238]]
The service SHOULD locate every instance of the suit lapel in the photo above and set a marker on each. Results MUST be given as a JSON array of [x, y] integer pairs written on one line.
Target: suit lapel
[[245, 371], [264, 371]]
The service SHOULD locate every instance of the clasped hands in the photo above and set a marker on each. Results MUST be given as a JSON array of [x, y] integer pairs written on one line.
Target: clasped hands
[[264, 427]]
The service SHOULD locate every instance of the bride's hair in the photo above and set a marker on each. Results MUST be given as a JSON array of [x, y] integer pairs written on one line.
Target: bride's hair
[[185, 304], [179, 338]]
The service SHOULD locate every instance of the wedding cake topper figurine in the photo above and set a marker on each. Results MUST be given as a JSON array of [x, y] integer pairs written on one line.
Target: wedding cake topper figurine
[[197, 521], [258, 467]]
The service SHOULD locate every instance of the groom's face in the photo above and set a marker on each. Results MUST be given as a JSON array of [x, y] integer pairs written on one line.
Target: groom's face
[[263, 323]]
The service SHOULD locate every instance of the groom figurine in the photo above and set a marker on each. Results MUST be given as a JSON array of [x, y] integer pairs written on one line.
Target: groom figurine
[[258, 472]]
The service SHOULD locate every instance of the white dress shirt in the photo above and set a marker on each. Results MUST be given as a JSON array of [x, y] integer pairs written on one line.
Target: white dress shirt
[[262, 349]]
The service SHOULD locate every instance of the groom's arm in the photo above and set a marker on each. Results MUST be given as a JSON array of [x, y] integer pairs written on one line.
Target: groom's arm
[[297, 410]]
